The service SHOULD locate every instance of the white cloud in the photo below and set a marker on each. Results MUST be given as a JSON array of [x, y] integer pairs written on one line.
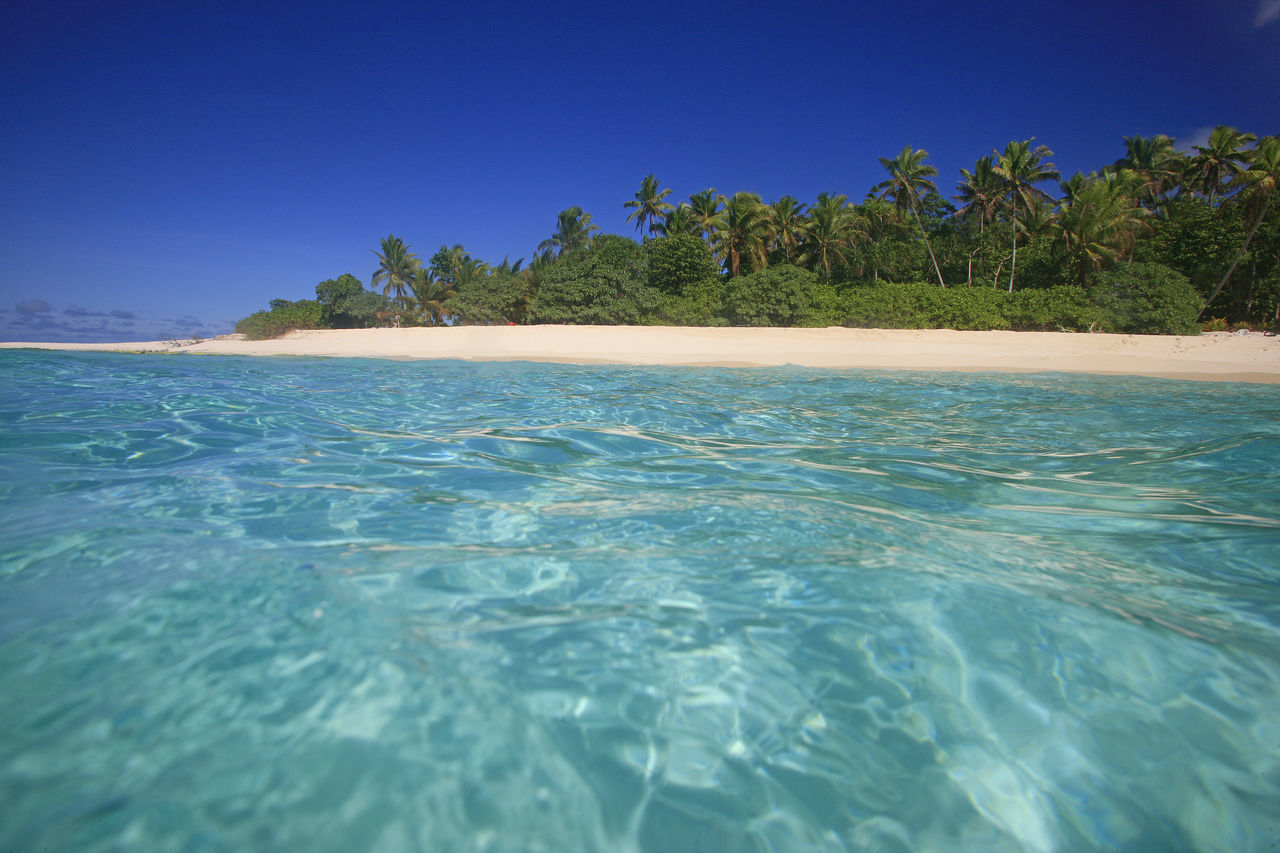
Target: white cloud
[[1199, 136], [1268, 11]]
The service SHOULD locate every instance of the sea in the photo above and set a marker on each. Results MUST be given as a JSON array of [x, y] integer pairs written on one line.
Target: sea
[[305, 604]]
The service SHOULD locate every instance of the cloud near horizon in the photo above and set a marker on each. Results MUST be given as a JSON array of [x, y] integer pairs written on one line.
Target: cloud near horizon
[[33, 306], [36, 320]]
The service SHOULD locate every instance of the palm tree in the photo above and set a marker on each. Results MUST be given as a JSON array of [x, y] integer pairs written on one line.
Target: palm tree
[[981, 193], [1098, 222], [649, 204], [878, 225], [431, 293], [679, 220], [1019, 168], [1218, 162], [572, 234], [1155, 162], [706, 209], [469, 269], [1258, 185], [908, 177], [444, 263], [506, 268], [396, 269], [828, 233], [787, 217], [741, 232]]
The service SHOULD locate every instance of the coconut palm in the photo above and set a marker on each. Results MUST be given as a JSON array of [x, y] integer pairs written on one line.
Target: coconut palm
[[1218, 162], [506, 268], [679, 220], [1098, 222], [787, 218], [828, 233], [1155, 162], [649, 205], [908, 177], [877, 225], [1020, 168], [1258, 187], [468, 270], [572, 234], [981, 193], [396, 269], [741, 232], [706, 207], [444, 263], [431, 293]]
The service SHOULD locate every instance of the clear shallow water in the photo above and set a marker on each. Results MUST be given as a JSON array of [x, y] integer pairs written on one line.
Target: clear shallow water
[[287, 604]]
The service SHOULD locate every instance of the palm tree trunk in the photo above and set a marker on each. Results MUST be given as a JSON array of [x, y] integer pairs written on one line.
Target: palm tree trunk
[[1254, 230], [1013, 264], [926, 243]]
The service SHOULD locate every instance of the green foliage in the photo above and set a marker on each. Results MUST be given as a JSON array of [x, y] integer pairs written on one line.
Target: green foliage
[[396, 269], [1041, 264], [1195, 239], [284, 317], [678, 261], [921, 305], [778, 296], [1063, 308], [698, 304], [491, 300], [924, 305], [1148, 299], [345, 304], [604, 285]]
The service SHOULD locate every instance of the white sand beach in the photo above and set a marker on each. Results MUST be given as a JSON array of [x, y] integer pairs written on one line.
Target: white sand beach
[[1221, 356]]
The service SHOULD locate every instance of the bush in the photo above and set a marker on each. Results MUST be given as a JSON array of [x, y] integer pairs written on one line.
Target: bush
[[778, 296], [284, 317], [1148, 299], [921, 305], [345, 304], [491, 299], [605, 285], [698, 304], [1055, 309], [677, 262]]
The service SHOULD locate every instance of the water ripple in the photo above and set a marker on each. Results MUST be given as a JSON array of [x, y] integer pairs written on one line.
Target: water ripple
[[344, 604]]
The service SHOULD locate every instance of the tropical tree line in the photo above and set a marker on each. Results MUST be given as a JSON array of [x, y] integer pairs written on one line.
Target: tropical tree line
[[1202, 227]]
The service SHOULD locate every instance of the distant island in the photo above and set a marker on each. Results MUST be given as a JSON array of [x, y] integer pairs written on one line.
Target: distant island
[[1158, 242]]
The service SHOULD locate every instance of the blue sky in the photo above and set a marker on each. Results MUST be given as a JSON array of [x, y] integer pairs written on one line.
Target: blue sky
[[168, 167]]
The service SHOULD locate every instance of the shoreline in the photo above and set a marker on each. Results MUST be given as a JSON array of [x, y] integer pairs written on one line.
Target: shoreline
[[1216, 356]]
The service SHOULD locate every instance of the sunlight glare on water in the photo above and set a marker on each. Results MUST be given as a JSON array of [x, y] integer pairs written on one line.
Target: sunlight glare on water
[[308, 604]]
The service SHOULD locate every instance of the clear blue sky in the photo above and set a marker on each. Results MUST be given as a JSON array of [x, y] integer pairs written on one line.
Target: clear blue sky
[[168, 167]]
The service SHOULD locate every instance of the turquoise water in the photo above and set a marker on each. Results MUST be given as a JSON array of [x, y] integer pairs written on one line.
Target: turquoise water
[[307, 604]]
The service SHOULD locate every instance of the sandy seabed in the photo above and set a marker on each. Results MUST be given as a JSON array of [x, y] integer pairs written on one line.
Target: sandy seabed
[[1221, 356]]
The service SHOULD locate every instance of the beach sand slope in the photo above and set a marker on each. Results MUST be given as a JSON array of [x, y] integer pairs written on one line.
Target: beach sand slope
[[1251, 357]]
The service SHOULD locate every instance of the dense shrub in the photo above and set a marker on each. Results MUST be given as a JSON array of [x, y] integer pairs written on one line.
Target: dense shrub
[[491, 299], [1148, 299], [605, 285], [698, 304], [345, 304], [677, 262], [284, 317], [1054, 309], [921, 305], [778, 296]]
